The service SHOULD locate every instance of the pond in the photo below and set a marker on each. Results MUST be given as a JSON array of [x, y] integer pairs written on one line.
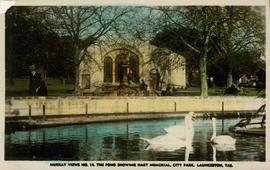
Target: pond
[[121, 141]]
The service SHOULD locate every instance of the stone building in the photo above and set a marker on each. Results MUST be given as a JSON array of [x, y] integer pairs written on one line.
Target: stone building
[[114, 64]]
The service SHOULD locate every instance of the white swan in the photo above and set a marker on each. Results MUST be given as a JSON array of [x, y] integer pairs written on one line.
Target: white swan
[[180, 131], [171, 141], [221, 139]]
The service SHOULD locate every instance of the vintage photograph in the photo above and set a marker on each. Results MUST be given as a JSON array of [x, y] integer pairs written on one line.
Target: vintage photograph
[[135, 83]]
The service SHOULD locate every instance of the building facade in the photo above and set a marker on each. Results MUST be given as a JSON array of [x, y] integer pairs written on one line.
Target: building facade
[[119, 63]]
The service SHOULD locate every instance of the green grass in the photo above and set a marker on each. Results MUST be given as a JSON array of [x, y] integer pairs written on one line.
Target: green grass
[[219, 91], [56, 88]]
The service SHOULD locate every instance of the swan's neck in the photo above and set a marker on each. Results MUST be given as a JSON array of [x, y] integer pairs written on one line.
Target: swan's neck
[[188, 128], [187, 151], [214, 153], [214, 129]]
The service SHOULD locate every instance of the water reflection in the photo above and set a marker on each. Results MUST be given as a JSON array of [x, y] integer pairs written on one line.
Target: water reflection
[[121, 141], [224, 150], [47, 151]]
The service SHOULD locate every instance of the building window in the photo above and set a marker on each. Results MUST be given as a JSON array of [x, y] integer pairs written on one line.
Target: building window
[[85, 81], [134, 67], [107, 70]]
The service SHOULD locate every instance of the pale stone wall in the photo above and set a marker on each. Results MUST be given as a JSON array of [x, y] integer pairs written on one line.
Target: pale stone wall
[[178, 77], [94, 66], [19, 106]]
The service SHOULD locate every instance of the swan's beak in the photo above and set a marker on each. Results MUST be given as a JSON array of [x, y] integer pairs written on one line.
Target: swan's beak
[[193, 115]]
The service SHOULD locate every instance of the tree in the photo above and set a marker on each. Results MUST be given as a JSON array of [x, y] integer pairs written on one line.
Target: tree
[[170, 38], [27, 42], [241, 30], [84, 26], [216, 32], [204, 21], [245, 62]]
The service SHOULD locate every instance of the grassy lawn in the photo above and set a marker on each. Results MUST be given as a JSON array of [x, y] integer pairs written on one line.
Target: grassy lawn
[[218, 91], [56, 88]]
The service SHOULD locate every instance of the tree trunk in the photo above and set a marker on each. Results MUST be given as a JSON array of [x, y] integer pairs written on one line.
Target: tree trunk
[[229, 77], [77, 78], [77, 69], [203, 75], [188, 77], [203, 61]]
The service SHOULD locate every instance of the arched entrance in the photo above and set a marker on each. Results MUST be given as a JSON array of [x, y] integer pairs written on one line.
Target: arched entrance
[[126, 68]]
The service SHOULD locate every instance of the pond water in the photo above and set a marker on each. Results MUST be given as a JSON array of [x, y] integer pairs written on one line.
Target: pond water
[[121, 141]]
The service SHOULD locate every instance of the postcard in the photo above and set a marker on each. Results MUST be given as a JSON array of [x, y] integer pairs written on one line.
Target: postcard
[[133, 85]]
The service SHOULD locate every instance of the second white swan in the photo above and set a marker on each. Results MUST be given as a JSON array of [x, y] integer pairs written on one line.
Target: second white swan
[[221, 139]]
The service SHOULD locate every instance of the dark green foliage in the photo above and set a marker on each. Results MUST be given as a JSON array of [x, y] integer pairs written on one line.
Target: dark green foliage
[[29, 41]]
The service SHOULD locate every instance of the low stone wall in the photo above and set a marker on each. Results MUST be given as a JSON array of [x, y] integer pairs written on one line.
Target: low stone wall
[[78, 105]]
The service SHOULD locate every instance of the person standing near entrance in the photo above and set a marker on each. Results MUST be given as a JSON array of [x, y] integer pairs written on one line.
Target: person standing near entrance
[[42, 89], [129, 76], [34, 80], [143, 86]]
